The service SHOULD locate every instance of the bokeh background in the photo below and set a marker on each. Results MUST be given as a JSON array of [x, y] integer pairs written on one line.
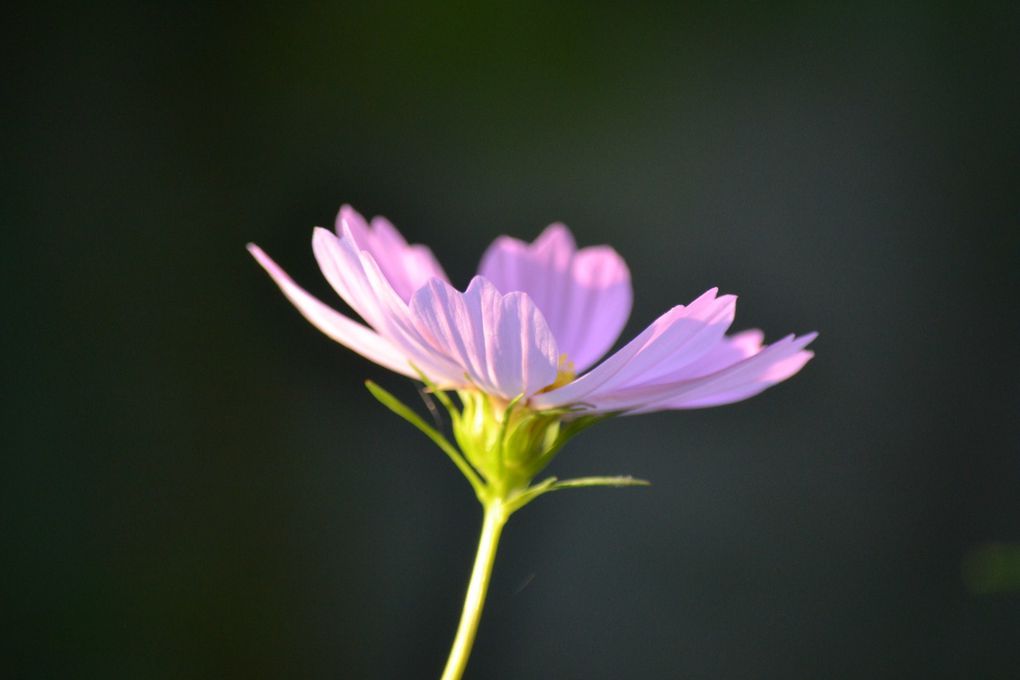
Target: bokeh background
[[196, 484]]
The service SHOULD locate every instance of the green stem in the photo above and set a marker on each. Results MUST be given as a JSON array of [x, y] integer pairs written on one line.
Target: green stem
[[492, 526]]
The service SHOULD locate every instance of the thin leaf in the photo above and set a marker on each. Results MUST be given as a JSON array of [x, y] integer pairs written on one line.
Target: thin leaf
[[554, 484], [398, 407], [581, 482]]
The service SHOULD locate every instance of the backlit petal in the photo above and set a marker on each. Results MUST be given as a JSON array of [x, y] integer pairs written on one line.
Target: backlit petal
[[676, 339], [406, 267], [345, 273], [335, 325], [585, 295], [502, 342], [359, 280], [736, 382], [733, 370]]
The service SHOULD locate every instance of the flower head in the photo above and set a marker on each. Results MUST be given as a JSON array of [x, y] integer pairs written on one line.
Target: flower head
[[517, 344], [531, 323]]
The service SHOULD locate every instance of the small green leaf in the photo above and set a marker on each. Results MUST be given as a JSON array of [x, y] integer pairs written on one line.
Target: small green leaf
[[554, 484], [599, 481], [402, 410]]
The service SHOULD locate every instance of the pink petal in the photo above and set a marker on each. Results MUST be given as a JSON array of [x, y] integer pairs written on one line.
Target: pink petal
[[502, 342], [358, 279], [779, 371], [406, 267], [347, 332], [728, 351], [735, 369], [746, 378], [585, 295], [676, 339], [345, 273]]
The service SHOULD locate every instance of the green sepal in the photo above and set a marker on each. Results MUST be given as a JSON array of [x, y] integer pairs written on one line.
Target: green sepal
[[522, 498], [402, 410], [503, 447], [505, 442], [501, 450]]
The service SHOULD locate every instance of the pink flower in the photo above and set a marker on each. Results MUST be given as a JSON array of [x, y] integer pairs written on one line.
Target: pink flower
[[534, 316]]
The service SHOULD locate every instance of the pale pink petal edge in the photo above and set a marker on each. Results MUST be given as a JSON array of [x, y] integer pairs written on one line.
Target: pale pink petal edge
[[332, 323]]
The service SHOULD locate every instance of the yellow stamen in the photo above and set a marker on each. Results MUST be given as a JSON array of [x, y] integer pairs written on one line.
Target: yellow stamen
[[565, 374]]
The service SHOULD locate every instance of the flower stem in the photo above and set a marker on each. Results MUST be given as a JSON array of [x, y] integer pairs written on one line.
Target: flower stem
[[492, 526]]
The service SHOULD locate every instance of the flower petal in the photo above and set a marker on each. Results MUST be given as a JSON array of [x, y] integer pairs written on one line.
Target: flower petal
[[585, 295], [358, 279], [738, 381], [335, 325], [502, 342], [735, 369], [344, 271], [728, 351], [406, 267], [678, 338]]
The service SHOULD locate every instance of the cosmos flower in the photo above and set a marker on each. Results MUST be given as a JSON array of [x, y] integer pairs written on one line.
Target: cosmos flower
[[531, 324], [517, 346]]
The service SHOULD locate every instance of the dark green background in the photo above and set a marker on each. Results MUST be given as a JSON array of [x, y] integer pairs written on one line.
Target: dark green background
[[196, 485]]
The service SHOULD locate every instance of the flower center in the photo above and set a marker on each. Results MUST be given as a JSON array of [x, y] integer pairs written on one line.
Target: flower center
[[565, 374]]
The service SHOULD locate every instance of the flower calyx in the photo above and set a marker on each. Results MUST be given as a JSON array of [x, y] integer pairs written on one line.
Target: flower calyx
[[502, 446], [508, 443]]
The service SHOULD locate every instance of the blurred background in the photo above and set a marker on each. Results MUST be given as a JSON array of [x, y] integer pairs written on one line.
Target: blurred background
[[197, 485]]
